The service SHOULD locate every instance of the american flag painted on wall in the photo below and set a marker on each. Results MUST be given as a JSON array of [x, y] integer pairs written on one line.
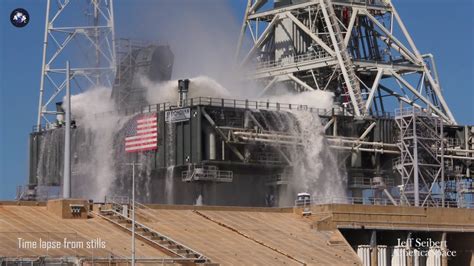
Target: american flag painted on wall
[[143, 134]]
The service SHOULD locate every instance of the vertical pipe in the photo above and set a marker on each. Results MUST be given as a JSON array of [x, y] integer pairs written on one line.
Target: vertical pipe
[[246, 125], [408, 260], [223, 150], [373, 248], [112, 30], [212, 146], [43, 68], [444, 250], [67, 139], [199, 133], [443, 184], [415, 162], [466, 141], [133, 214]]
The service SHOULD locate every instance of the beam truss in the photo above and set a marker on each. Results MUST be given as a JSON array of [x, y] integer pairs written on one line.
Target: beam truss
[[94, 65], [357, 49], [421, 163], [362, 52]]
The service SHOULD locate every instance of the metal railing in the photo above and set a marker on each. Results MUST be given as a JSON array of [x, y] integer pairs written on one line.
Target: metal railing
[[365, 2], [206, 173], [114, 199], [216, 102], [453, 142], [155, 234], [278, 178], [408, 111], [346, 200], [352, 200], [259, 105], [37, 193], [293, 60], [369, 182], [465, 186]]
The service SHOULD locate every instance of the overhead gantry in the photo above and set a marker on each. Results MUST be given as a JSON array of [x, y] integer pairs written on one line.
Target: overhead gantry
[[360, 50]]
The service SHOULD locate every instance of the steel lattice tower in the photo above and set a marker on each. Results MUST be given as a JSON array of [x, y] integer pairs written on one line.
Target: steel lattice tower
[[362, 52], [421, 163], [358, 49], [89, 46]]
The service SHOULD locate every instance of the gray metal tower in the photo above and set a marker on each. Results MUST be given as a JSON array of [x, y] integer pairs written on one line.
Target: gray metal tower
[[362, 52], [358, 49], [421, 163], [89, 46]]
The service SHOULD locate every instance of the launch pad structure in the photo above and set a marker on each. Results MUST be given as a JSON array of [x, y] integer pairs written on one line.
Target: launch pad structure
[[359, 50], [390, 128], [363, 53]]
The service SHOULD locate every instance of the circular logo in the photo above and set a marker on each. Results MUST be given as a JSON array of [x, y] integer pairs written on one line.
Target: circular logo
[[19, 17]]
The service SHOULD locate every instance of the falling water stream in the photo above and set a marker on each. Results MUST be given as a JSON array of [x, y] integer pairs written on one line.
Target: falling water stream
[[100, 163]]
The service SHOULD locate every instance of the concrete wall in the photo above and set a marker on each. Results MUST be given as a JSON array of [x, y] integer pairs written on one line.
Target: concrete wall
[[63, 208], [370, 216]]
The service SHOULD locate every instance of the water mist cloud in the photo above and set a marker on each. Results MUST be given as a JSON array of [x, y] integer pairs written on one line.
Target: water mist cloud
[[201, 86]]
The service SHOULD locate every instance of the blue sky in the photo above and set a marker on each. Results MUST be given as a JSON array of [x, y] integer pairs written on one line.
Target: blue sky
[[441, 27]]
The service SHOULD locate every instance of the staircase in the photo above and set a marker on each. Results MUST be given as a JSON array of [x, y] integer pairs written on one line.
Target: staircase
[[347, 67], [165, 243]]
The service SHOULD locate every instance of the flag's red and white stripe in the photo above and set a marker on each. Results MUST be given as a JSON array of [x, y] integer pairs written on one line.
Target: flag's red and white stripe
[[145, 135]]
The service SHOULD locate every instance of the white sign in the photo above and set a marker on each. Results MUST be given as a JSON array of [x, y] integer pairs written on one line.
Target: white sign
[[178, 115]]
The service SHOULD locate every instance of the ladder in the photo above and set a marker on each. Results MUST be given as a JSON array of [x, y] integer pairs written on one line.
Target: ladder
[[345, 60], [165, 243]]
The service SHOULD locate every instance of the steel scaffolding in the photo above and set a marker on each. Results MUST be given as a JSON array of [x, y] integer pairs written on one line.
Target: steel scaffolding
[[360, 50], [94, 66], [421, 162]]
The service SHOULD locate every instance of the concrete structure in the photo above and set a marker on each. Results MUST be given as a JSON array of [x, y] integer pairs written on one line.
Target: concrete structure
[[236, 235]]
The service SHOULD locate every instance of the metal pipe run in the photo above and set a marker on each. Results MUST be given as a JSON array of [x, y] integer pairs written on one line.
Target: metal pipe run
[[67, 138], [363, 149], [285, 139], [378, 144], [458, 157]]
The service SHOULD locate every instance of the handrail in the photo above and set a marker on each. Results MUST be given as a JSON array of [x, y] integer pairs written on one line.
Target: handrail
[[216, 102], [292, 61], [201, 257]]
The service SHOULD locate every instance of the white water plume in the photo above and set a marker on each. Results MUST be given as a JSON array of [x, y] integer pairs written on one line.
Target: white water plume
[[95, 170], [201, 86], [145, 169], [315, 169], [316, 99], [198, 201], [169, 186]]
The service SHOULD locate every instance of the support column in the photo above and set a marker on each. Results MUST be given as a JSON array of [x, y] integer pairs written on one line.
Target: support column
[[416, 185], [373, 249], [67, 138], [409, 250], [444, 250]]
